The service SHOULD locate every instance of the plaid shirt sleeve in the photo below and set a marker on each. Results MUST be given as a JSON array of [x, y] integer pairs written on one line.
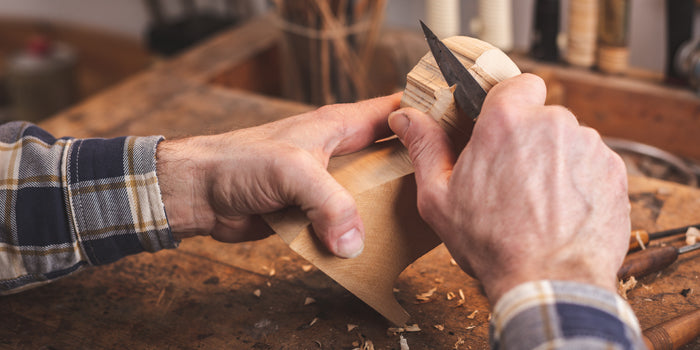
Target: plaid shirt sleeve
[[69, 203], [563, 315]]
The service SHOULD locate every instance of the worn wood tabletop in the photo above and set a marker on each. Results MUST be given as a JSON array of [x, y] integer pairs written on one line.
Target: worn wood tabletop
[[201, 295]]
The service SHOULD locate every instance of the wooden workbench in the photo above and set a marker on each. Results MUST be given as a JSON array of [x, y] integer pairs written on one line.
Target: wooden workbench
[[201, 295]]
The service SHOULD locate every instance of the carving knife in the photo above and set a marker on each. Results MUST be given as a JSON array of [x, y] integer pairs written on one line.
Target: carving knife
[[468, 94]]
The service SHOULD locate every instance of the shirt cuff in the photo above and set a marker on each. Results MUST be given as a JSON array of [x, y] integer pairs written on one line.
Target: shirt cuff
[[563, 314], [114, 199]]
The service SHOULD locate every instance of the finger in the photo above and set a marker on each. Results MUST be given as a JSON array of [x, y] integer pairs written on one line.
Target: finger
[[522, 91], [331, 209], [346, 128], [428, 145]]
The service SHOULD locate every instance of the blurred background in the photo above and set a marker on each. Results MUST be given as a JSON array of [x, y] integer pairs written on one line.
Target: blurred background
[[54, 54]]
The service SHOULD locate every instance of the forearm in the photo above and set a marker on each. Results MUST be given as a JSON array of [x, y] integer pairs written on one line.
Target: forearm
[[563, 315], [71, 203]]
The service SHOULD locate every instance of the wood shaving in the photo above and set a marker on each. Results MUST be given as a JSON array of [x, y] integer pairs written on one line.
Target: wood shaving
[[306, 268], [489, 319], [439, 280], [368, 345], [412, 328], [351, 327], [473, 314], [286, 258], [663, 191], [450, 295], [439, 327], [403, 343], [257, 293], [453, 262], [394, 330], [692, 235], [469, 328], [313, 322], [268, 284], [459, 342], [624, 287], [395, 290], [309, 301], [356, 344], [272, 272], [426, 296], [460, 302], [461, 295]]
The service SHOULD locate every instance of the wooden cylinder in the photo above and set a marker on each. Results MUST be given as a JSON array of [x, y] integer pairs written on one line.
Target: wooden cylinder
[[495, 23], [673, 334], [582, 33], [443, 16], [613, 24]]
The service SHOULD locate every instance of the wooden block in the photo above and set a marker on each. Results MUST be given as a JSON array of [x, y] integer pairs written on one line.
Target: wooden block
[[381, 181]]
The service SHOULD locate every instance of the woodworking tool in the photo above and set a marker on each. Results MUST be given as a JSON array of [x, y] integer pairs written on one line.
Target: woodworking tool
[[468, 94], [674, 333], [645, 237], [546, 29], [650, 260]]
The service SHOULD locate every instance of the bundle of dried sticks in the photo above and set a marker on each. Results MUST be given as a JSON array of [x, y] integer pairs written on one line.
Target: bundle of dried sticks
[[328, 47]]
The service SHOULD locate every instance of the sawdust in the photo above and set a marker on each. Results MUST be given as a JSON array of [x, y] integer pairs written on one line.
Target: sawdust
[[309, 301], [257, 293], [450, 295], [425, 297], [403, 343], [453, 262], [459, 342], [306, 268], [351, 327], [404, 329], [692, 235], [439, 327], [473, 314], [624, 287]]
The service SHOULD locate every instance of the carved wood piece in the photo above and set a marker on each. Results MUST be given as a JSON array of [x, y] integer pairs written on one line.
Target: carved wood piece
[[381, 181]]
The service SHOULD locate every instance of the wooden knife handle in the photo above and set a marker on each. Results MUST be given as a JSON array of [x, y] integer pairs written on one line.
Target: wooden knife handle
[[673, 334], [636, 236], [647, 261]]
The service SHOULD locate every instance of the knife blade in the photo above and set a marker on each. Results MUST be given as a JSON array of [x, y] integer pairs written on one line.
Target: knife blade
[[468, 94]]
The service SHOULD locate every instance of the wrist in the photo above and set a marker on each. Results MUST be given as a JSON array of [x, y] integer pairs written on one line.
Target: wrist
[[180, 178], [500, 284]]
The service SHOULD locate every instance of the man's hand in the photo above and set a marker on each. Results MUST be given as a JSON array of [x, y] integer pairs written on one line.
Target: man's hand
[[532, 196], [218, 184]]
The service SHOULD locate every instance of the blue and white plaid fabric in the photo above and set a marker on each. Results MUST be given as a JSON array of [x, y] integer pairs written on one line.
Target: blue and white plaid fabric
[[563, 315], [67, 203]]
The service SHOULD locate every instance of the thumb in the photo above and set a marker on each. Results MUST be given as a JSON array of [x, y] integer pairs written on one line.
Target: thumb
[[428, 146], [331, 209]]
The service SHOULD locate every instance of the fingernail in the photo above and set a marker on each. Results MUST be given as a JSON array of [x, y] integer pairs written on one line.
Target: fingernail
[[398, 122], [350, 244]]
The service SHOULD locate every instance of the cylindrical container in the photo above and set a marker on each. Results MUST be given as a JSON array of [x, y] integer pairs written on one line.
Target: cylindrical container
[[582, 33], [495, 23], [41, 80], [613, 33], [545, 31], [443, 17]]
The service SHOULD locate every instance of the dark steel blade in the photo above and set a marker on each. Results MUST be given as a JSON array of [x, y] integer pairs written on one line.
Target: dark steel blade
[[468, 94], [671, 232]]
